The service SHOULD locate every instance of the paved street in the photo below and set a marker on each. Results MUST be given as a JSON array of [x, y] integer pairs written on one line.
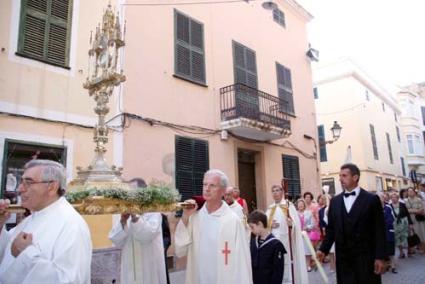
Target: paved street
[[410, 271]]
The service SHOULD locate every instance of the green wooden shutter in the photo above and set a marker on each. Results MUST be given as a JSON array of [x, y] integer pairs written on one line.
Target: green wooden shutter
[[284, 87], [374, 146], [197, 52], [245, 65], [182, 51], [45, 30], [245, 72], [192, 161], [189, 48], [390, 152], [279, 17], [239, 64], [291, 171], [322, 144]]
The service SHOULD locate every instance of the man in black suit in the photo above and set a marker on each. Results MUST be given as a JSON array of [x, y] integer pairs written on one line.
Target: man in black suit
[[356, 225]]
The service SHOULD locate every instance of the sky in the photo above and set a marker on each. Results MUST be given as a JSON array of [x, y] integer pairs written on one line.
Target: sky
[[386, 38]]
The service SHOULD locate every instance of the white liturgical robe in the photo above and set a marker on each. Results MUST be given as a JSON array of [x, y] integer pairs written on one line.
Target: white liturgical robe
[[142, 256], [275, 212], [237, 208], [60, 253], [216, 247]]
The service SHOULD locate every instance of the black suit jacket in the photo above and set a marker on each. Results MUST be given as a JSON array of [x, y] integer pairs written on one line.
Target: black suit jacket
[[357, 250]]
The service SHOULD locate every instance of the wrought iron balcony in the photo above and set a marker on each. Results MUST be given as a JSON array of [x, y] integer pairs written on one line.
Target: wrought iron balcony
[[253, 114]]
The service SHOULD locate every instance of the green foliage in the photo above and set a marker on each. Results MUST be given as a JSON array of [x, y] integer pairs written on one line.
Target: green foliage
[[155, 193]]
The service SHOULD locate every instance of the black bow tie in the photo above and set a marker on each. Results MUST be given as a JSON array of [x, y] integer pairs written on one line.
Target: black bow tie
[[353, 193]]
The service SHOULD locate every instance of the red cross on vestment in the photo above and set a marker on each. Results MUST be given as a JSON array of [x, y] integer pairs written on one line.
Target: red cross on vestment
[[226, 252]]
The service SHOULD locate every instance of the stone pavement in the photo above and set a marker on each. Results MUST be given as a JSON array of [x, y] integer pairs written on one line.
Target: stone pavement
[[410, 271]]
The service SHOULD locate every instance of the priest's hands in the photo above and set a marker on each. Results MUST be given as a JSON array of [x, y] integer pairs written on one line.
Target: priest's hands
[[20, 243], [124, 218], [4, 214], [379, 266], [320, 255], [188, 212]]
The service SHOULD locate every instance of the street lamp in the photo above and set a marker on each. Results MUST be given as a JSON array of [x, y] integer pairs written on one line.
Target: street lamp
[[336, 133], [269, 5]]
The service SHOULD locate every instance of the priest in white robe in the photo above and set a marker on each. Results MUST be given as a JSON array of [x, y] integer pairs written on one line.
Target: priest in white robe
[[53, 244], [142, 255], [213, 238], [280, 215]]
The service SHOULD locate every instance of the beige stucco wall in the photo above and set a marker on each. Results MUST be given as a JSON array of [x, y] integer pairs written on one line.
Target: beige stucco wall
[[31, 90], [27, 83]]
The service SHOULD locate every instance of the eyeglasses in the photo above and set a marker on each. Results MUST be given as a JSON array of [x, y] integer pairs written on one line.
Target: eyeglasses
[[27, 183], [210, 185]]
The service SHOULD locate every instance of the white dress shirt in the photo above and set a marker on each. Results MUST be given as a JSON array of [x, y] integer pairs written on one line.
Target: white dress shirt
[[349, 201]]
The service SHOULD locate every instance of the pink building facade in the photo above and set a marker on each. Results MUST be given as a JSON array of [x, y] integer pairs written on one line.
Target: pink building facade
[[225, 86]]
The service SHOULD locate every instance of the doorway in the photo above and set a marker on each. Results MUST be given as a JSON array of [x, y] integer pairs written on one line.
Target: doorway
[[246, 174]]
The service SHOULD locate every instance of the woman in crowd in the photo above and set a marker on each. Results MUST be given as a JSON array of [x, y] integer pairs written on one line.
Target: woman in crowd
[[321, 200], [389, 229], [313, 207], [417, 213], [403, 195], [306, 218], [401, 224]]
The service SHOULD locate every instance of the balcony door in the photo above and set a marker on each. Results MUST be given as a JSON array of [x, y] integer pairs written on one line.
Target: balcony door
[[245, 72]]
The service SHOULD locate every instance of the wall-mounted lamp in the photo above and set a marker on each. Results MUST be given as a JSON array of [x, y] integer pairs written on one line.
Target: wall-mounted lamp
[[336, 133], [313, 54]]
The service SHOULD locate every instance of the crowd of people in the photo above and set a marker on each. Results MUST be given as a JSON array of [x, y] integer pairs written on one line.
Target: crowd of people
[[359, 233]]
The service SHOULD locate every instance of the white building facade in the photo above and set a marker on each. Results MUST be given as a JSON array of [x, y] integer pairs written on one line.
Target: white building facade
[[370, 119]]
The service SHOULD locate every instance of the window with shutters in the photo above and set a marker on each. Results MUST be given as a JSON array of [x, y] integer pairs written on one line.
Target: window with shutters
[[245, 72], [291, 172], [374, 146], [284, 88], [45, 31], [279, 17], [189, 52], [322, 145], [192, 161], [245, 65], [390, 152]]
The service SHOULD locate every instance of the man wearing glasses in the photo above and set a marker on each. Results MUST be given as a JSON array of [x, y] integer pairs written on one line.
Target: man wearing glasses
[[53, 244]]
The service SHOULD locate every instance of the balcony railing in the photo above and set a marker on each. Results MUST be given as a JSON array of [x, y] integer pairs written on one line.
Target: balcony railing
[[239, 100]]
